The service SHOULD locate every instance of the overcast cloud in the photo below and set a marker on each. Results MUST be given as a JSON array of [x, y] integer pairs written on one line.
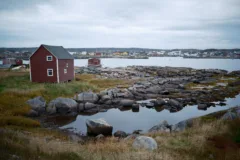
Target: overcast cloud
[[121, 23]]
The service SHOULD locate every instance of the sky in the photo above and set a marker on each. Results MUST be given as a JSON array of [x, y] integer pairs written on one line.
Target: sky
[[160, 24]]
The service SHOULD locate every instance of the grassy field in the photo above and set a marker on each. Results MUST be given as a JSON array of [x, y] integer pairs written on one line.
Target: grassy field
[[209, 138], [23, 138], [16, 89]]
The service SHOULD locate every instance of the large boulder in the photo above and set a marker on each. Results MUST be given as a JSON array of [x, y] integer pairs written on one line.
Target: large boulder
[[229, 116], [127, 102], [161, 127], [62, 106], [98, 126], [144, 142], [86, 97], [180, 126], [37, 104]]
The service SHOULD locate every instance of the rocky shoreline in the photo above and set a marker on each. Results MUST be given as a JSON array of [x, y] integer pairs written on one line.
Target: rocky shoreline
[[170, 88]]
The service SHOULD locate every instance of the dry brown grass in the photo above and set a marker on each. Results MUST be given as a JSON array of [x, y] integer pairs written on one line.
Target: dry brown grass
[[6, 73], [189, 144], [102, 84]]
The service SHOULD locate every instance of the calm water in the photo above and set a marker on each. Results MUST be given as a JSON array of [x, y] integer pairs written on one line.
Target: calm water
[[129, 121], [226, 64]]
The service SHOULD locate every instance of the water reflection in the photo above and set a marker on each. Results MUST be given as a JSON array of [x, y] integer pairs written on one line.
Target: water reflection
[[128, 120]]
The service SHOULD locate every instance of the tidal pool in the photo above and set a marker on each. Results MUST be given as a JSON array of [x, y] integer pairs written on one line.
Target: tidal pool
[[129, 121]]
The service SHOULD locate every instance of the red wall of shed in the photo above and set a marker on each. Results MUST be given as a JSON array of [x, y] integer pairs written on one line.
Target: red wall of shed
[[62, 63], [39, 66], [94, 61]]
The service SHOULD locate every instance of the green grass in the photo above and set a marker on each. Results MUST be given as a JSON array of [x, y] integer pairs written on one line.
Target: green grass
[[16, 89]]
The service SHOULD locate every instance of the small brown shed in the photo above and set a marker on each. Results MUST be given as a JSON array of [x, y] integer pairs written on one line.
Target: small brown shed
[[51, 64]]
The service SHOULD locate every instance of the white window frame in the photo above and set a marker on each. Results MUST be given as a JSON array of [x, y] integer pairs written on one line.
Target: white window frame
[[65, 71], [67, 65], [48, 72], [51, 58]]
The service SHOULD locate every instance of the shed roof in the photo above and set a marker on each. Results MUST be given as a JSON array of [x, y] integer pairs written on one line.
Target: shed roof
[[58, 51]]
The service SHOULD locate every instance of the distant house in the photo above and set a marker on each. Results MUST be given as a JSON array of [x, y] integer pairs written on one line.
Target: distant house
[[12, 61], [94, 62], [98, 54], [124, 53], [51, 64]]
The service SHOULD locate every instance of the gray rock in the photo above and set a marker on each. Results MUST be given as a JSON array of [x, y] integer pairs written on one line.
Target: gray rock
[[113, 92], [159, 102], [98, 126], [238, 112], [32, 113], [128, 94], [161, 127], [132, 136], [149, 105], [175, 106], [154, 89], [62, 106], [182, 125], [175, 103], [135, 106], [104, 99], [100, 137], [51, 108], [86, 97], [86, 106], [202, 106], [120, 134], [229, 116], [37, 104], [127, 102], [138, 131], [144, 142]]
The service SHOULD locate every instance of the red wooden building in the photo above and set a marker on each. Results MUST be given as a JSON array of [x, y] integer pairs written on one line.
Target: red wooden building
[[94, 62], [51, 64]]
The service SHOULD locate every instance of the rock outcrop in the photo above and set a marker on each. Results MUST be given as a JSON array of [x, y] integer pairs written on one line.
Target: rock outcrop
[[37, 104], [98, 126], [161, 127], [86, 97], [62, 106], [120, 134], [181, 126]]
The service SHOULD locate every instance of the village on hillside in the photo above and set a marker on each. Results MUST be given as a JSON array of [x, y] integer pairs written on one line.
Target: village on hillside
[[138, 53]]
